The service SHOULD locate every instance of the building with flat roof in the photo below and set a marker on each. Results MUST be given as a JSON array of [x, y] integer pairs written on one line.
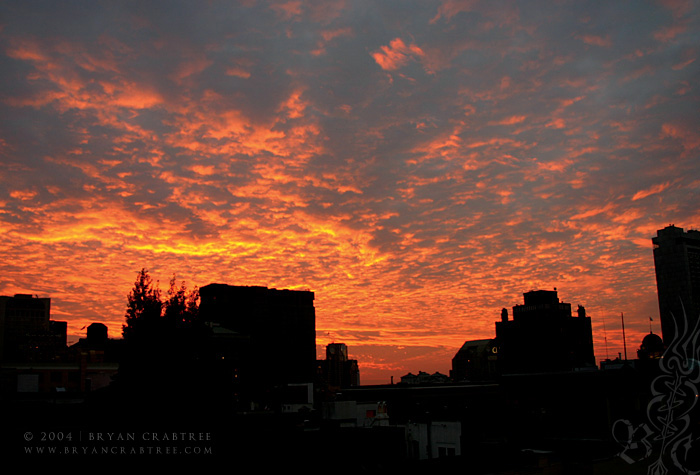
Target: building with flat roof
[[677, 264], [26, 330], [338, 370], [277, 326], [543, 336]]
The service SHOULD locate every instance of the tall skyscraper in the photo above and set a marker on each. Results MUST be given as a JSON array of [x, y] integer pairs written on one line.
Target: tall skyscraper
[[677, 263]]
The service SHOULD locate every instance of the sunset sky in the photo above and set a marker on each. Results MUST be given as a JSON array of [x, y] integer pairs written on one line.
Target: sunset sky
[[416, 164]]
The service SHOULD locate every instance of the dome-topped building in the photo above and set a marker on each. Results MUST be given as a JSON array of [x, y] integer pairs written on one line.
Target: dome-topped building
[[652, 347]]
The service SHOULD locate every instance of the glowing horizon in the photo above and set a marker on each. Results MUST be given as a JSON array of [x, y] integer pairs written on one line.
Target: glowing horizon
[[417, 165]]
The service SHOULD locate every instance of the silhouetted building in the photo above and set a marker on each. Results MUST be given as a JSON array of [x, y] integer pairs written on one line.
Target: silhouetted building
[[337, 370], [677, 263], [27, 332], [649, 354], [543, 336], [476, 360], [97, 347], [652, 347], [424, 378], [275, 331], [97, 333], [53, 367]]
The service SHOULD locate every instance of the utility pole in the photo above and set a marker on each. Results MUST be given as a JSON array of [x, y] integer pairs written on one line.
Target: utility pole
[[624, 341], [605, 336]]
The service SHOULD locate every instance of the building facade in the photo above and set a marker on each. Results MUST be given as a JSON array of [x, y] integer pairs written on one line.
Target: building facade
[[476, 360], [543, 336], [338, 370], [677, 264], [27, 332], [276, 327]]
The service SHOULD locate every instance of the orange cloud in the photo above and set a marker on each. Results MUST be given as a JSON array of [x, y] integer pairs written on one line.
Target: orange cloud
[[294, 106], [135, 98], [596, 40], [27, 51], [238, 72], [669, 33], [683, 64], [557, 123], [450, 8], [191, 67], [329, 35], [289, 9], [512, 120], [656, 189], [688, 136], [23, 195], [396, 55]]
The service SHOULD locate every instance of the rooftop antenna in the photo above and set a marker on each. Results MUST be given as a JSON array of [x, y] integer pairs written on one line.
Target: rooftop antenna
[[624, 341]]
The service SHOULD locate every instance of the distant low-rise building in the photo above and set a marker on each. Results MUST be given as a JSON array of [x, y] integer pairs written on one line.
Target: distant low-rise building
[[97, 347], [338, 371], [476, 360], [85, 366], [424, 378]]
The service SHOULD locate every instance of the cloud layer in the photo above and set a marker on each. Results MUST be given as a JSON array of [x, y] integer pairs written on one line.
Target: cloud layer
[[419, 165]]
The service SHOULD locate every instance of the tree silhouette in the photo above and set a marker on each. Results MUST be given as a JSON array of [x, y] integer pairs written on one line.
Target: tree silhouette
[[181, 307], [143, 310], [165, 342]]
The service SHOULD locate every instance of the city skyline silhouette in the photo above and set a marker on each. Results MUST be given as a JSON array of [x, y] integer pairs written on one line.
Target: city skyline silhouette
[[234, 379], [601, 353], [416, 166]]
